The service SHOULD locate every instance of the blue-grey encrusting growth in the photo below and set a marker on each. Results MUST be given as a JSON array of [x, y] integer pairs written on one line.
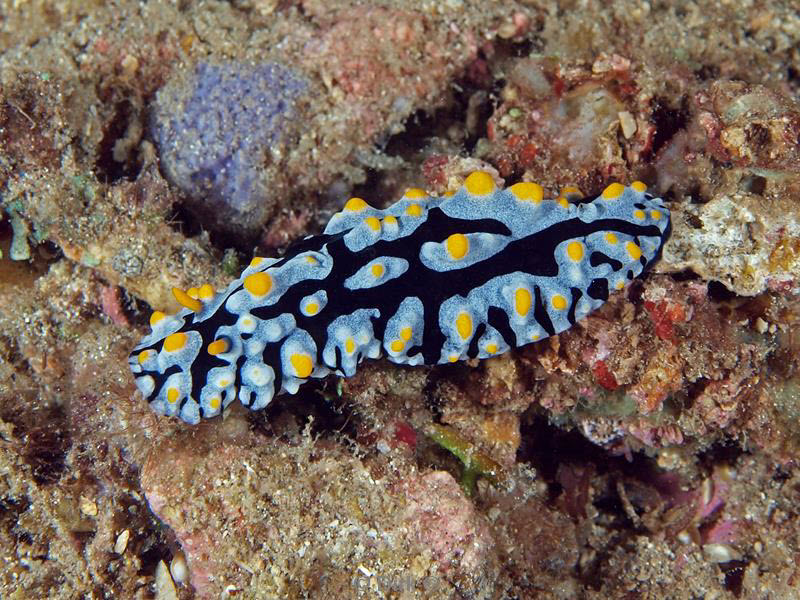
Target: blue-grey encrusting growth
[[218, 128], [428, 280]]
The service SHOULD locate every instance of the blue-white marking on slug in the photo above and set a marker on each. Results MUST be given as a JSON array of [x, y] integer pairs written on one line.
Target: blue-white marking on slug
[[429, 280]]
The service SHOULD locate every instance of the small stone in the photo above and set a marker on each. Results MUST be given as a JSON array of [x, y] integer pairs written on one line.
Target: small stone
[[628, 123], [507, 30], [707, 490], [231, 591], [265, 7], [178, 568], [761, 325], [20, 250], [122, 541], [88, 507], [129, 64], [720, 553], [165, 587]]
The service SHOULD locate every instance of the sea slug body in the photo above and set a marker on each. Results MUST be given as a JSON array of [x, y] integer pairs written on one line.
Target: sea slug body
[[428, 280]]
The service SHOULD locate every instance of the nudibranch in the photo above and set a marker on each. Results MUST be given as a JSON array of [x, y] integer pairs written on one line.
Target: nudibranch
[[428, 280]]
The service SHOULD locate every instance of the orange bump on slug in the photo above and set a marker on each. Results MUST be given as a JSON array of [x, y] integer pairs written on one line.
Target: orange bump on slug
[[186, 300]]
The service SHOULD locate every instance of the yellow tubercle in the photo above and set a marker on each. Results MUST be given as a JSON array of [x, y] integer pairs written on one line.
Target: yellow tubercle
[[219, 346], [559, 302], [615, 190], [175, 342], [522, 301], [415, 193], [479, 183], [457, 246], [258, 284], [302, 365], [633, 250], [527, 192], [575, 251], [414, 210], [355, 205], [186, 300], [639, 186], [156, 318], [205, 292], [464, 325]]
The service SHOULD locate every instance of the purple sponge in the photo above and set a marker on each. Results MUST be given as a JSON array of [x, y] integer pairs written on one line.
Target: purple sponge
[[215, 131]]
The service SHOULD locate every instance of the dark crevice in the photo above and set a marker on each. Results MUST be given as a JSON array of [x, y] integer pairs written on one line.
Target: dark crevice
[[707, 73], [546, 447], [753, 184], [471, 102], [685, 275], [724, 452], [668, 121], [717, 292], [793, 76], [44, 442], [126, 164], [734, 576], [153, 552], [318, 401], [694, 390], [468, 109], [579, 472], [696, 196], [183, 221]]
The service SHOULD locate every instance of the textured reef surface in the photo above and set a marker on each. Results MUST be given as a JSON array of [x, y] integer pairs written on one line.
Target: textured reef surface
[[648, 450]]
